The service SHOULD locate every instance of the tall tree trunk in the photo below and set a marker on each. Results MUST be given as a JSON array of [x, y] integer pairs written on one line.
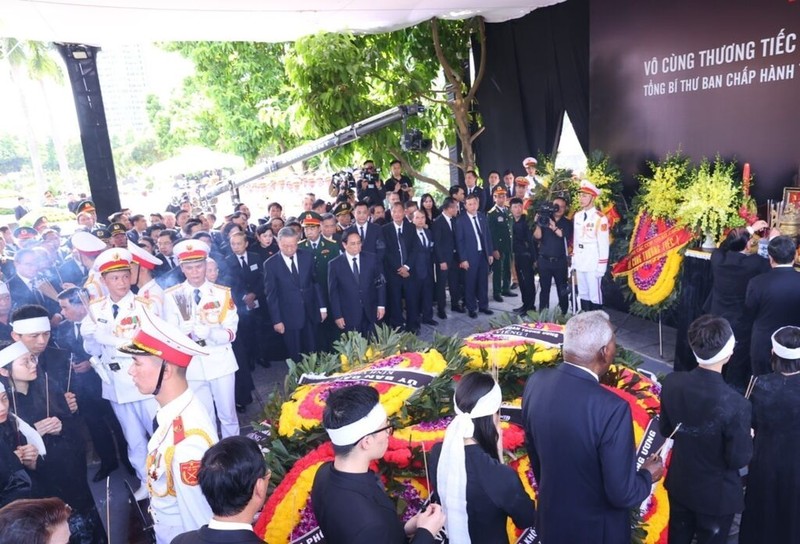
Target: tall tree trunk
[[58, 141], [17, 79]]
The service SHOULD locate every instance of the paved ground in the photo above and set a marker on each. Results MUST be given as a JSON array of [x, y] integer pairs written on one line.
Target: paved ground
[[633, 333]]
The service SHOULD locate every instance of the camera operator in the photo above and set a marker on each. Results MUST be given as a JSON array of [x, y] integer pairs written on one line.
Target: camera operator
[[370, 186], [553, 231], [342, 183], [399, 183]]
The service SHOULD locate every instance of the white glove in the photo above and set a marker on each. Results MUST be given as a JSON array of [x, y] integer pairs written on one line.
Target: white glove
[[88, 328], [219, 336], [201, 331], [186, 327]]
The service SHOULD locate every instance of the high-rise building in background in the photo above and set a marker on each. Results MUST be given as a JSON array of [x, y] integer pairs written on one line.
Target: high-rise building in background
[[123, 71]]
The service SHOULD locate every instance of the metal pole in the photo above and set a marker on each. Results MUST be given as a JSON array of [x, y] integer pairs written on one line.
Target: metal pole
[[660, 338]]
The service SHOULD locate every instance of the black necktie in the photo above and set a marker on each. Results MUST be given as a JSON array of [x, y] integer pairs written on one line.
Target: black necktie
[[422, 239], [477, 225], [171, 262], [197, 296], [294, 268], [585, 215], [244, 264], [362, 233], [77, 332], [114, 310], [155, 424], [313, 246], [355, 268], [400, 243]]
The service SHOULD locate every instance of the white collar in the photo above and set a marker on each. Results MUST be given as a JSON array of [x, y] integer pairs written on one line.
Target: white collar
[[351, 257], [790, 265], [218, 525], [591, 373], [167, 413]]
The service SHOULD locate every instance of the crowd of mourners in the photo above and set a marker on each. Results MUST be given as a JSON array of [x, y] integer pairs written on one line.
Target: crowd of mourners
[[97, 334]]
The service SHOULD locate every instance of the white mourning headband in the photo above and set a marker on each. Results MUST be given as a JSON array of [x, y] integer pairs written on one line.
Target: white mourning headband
[[11, 353], [782, 351], [31, 325], [355, 431], [486, 405], [721, 355]]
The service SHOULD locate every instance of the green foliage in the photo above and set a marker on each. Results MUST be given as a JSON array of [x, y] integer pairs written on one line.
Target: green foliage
[[13, 155], [232, 82]]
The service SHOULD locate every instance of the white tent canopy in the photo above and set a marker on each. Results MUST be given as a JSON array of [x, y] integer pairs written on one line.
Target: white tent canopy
[[98, 22]]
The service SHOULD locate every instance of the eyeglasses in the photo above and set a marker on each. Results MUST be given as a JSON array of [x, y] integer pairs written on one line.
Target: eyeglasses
[[389, 428]]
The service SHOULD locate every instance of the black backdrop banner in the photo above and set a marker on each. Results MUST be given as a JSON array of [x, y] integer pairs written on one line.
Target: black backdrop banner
[[705, 76], [537, 68]]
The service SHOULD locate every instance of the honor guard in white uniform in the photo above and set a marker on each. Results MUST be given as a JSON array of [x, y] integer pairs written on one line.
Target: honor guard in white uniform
[[142, 280], [111, 322], [184, 430], [590, 247], [206, 312], [89, 247]]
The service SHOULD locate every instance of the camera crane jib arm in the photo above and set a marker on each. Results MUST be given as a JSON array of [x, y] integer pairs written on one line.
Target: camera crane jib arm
[[337, 139]]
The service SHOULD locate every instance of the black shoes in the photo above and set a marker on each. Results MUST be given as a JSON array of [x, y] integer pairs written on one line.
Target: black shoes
[[486, 311], [431, 322], [441, 314], [458, 309], [497, 298], [104, 472], [473, 314], [509, 294]]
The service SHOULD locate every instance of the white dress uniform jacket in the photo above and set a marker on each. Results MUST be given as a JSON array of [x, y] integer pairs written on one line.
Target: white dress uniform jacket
[[183, 435]]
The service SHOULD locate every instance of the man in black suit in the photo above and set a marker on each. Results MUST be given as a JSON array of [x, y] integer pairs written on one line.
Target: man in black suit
[[580, 441], [772, 300], [234, 481], [713, 442], [471, 187], [474, 246], [85, 383], [244, 275], [448, 274], [370, 233], [23, 286], [420, 307], [294, 298], [356, 287], [399, 238], [21, 208], [168, 273]]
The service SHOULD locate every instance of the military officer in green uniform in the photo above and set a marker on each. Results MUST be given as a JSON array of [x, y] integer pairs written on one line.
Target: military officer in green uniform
[[324, 251], [344, 216], [500, 222]]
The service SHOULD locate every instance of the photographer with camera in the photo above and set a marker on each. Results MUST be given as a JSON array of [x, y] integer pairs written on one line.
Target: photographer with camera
[[399, 183], [370, 187], [553, 231]]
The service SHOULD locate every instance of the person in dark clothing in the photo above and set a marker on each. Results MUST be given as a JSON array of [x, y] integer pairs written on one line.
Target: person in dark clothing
[[347, 497], [552, 259], [61, 473], [477, 491], [712, 443], [96, 411], [580, 442], [772, 500], [448, 274], [234, 481], [732, 268], [525, 255], [16, 455], [772, 301]]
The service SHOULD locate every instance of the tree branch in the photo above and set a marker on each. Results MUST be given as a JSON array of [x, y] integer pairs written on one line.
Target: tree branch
[[477, 133], [482, 66], [449, 73], [448, 159], [394, 152], [435, 100]]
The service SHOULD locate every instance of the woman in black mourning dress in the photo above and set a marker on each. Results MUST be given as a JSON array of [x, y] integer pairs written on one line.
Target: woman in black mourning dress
[[732, 268], [61, 473], [15, 483], [772, 501], [494, 492]]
